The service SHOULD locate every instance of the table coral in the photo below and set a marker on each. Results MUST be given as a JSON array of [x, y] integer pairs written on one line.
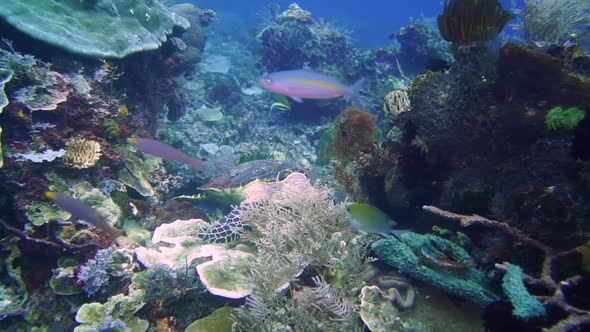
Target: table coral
[[108, 29]]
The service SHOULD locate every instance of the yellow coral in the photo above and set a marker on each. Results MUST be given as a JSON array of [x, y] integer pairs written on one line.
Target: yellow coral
[[123, 110], [81, 153]]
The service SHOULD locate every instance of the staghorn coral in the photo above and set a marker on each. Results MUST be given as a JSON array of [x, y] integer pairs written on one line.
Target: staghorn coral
[[81, 153]]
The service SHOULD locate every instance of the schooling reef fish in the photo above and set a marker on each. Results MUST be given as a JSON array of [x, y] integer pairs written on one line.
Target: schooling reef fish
[[163, 150], [299, 84], [84, 212], [366, 218]]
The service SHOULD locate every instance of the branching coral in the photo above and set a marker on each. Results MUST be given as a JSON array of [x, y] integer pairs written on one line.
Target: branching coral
[[465, 22], [96, 274], [299, 227], [294, 230]]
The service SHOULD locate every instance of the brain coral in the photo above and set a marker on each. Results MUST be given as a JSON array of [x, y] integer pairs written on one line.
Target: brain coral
[[98, 29]]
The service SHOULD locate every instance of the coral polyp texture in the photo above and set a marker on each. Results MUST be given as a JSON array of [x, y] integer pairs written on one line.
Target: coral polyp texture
[[98, 29], [81, 153]]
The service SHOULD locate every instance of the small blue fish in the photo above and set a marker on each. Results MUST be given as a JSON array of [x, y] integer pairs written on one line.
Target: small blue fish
[[164, 151], [366, 218]]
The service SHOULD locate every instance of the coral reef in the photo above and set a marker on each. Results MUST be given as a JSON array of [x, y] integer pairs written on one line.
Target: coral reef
[[113, 29], [117, 313], [524, 305], [546, 22], [447, 269], [503, 119], [294, 39], [420, 42], [355, 133], [258, 238]]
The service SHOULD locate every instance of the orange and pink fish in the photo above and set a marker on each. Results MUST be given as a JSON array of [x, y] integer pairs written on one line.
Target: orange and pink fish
[[306, 84]]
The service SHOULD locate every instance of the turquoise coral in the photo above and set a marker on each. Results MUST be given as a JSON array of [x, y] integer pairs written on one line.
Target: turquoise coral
[[406, 256], [525, 305]]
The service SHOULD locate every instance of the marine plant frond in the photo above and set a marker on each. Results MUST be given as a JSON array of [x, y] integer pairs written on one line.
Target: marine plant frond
[[298, 226], [264, 313], [352, 256], [465, 22], [328, 299]]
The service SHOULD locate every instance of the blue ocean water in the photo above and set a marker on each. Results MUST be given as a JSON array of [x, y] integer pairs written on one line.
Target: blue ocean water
[[369, 23]]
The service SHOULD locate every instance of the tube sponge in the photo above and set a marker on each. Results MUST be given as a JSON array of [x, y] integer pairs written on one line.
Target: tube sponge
[[525, 305]]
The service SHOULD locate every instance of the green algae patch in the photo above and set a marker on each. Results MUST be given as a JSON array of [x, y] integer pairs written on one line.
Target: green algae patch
[[561, 118]]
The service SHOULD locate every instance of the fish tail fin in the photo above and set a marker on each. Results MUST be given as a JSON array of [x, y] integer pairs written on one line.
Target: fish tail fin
[[355, 88], [196, 163]]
